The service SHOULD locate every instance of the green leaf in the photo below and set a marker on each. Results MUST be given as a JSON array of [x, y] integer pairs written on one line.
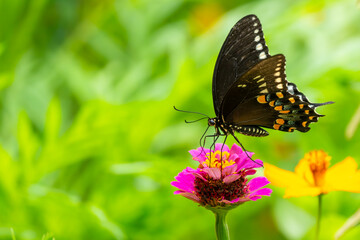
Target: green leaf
[[53, 120], [28, 146], [292, 221]]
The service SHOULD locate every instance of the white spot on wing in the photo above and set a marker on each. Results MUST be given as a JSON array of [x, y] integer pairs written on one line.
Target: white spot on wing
[[291, 89], [260, 80], [256, 31], [257, 38], [278, 80], [259, 46], [262, 55], [263, 85], [276, 74], [255, 24], [279, 86], [264, 91]]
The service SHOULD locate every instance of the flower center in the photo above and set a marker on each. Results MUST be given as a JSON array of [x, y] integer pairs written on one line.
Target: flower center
[[319, 162], [214, 191], [214, 159]]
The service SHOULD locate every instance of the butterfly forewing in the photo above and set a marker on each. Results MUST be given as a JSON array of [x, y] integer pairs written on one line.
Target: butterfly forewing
[[243, 48]]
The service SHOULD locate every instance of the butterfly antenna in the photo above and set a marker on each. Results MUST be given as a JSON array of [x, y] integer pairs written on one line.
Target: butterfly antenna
[[195, 120], [245, 150], [190, 112]]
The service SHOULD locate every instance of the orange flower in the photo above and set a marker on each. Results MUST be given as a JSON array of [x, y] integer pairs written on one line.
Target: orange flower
[[312, 176], [204, 16]]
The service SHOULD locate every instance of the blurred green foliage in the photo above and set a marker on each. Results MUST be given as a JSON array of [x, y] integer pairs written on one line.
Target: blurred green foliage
[[89, 139]]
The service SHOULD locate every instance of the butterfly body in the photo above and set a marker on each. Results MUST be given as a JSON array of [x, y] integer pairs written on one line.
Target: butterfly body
[[224, 128], [250, 89]]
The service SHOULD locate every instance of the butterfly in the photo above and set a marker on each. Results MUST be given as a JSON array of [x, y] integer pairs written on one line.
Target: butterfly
[[250, 89]]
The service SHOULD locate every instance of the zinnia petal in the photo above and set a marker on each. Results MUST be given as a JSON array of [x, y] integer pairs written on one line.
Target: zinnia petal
[[229, 170], [257, 183], [184, 186], [214, 173], [249, 172], [199, 175], [262, 191], [199, 154], [254, 198], [248, 163], [231, 178], [185, 175], [223, 147], [190, 196], [235, 149]]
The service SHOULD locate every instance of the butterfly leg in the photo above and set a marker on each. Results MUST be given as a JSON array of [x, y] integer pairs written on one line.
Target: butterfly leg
[[221, 153], [216, 137], [232, 133], [202, 137]]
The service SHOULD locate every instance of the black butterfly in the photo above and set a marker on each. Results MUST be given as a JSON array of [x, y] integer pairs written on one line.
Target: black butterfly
[[250, 89]]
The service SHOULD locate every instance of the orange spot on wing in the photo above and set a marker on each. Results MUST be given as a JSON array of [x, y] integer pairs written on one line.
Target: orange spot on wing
[[279, 95], [307, 111], [276, 126], [287, 111], [280, 121], [272, 103], [292, 100], [301, 106], [278, 108], [304, 124], [311, 117], [291, 129], [261, 99]]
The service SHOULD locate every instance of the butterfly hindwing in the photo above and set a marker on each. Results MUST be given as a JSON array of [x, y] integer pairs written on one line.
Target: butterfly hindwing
[[243, 48], [240, 104], [263, 97]]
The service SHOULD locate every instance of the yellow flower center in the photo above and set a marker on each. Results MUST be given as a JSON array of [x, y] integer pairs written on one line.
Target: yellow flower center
[[214, 159], [318, 162]]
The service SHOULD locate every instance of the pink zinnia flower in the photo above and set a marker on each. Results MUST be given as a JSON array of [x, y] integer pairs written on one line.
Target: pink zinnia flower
[[221, 183]]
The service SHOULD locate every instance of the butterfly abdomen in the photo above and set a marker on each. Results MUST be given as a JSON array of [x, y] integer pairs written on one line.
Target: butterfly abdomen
[[253, 131]]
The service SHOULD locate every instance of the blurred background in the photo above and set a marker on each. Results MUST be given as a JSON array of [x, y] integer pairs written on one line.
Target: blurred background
[[89, 141]]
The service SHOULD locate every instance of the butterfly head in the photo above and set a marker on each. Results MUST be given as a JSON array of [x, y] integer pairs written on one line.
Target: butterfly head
[[212, 121]]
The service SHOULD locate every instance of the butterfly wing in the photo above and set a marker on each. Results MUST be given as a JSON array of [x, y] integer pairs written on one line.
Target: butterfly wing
[[263, 97], [243, 48]]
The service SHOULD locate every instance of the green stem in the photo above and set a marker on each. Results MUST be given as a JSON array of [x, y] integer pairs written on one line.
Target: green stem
[[318, 220], [221, 227]]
